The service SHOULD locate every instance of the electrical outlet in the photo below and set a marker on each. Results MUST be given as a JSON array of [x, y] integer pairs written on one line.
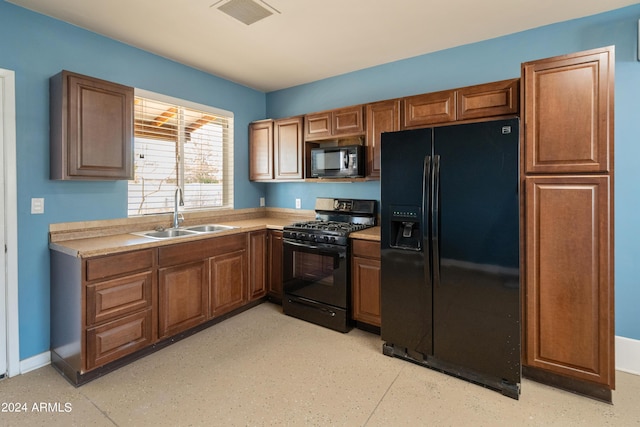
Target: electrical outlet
[[298, 204], [37, 206], [261, 202]]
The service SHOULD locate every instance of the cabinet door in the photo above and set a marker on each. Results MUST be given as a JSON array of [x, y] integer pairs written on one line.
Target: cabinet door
[[488, 100], [381, 117], [288, 149], [228, 288], [568, 113], [275, 265], [569, 277], [182, 297], [261, 150], [366, 290], [347, 121], [91, 128], [430, 108], [317, 125], [257, 264]]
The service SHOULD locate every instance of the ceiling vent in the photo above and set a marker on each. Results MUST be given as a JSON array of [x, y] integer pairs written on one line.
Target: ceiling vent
[[246, 11]]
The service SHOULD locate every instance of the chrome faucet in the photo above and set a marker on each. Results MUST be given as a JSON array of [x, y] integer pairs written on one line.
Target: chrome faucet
[[177, 202]]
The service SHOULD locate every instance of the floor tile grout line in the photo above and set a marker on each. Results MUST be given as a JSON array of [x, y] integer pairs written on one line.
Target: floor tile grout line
[[383, 396], [99, 410]]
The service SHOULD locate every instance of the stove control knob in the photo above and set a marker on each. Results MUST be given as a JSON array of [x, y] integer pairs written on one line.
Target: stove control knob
[[312, 237], [333, 240], [292, 235]]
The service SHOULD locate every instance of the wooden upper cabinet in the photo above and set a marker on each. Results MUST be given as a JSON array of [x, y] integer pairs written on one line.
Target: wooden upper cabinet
[[488, 100], [261, 150], [317, 125], [348, 121], [429, 108], [569, 276], [91, 128], [382, 117], [568, 112], [288, 149]]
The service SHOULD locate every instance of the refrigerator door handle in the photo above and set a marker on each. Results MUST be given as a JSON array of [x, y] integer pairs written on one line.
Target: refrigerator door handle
[[435, 219], [426, 170]]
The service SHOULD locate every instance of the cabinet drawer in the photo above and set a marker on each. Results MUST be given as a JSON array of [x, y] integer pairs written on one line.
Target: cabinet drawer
[[115, 298], [194, 251], [114, 265], [115, 339], [365, 248]]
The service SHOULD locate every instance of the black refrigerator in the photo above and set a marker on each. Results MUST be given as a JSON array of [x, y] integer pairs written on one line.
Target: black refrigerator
[[450, 281]]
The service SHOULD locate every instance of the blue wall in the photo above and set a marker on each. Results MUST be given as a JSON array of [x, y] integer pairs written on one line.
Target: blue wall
[[494, 60], [37, 47]]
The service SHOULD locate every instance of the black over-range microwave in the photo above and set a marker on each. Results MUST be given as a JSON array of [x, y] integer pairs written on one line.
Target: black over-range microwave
[[337, 162]]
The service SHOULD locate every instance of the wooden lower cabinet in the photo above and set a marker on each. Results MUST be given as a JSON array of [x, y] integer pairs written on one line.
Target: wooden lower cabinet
[[106, 308], [365, 281], [182, 296], [228, 286], [274, 274], [569, 276]]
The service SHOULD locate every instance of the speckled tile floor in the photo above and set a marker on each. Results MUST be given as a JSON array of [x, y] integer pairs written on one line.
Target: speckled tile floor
[[264, 368]]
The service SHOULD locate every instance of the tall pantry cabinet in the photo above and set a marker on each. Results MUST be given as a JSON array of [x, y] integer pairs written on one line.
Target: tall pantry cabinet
[[567, 183]]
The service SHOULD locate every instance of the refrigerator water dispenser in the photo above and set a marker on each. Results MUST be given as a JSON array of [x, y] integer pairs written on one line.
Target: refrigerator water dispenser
[[406, 230]]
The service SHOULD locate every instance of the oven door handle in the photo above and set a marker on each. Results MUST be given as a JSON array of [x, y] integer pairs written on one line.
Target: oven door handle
[[308, 246]]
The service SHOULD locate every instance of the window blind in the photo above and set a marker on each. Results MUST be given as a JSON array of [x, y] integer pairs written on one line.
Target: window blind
[[178, 143]]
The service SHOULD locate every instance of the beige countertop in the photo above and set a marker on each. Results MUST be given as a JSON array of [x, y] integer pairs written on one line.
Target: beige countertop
[[372, 233], [109, 237], [105, 245]]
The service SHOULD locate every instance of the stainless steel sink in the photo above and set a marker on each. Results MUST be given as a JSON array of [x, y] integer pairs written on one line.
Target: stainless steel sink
[[167, 234], [184, 232], [209, 228]]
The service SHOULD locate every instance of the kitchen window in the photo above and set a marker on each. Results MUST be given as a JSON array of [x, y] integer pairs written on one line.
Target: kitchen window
[[180, 143]]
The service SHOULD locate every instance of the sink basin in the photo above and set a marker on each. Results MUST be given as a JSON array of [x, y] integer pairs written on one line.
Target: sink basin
[[183, 232], [166, 234], [209, 228]]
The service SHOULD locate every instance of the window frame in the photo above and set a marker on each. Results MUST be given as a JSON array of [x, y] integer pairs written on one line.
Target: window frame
[[228, 150]]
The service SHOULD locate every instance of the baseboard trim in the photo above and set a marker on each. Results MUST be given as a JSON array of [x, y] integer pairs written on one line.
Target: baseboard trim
[[35, 362], [628, 355]]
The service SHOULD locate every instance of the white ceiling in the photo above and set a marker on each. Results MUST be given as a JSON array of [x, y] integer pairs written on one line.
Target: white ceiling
[[307, 40]]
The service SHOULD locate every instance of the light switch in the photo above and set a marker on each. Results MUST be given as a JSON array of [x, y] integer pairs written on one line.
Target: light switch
[[298, 204], [261, 201], [37, 205]]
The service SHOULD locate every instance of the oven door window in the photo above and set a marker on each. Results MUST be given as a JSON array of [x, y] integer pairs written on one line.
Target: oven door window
[[318, 274]]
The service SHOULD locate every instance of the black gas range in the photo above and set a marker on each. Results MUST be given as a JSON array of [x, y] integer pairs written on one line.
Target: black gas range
[[316, 268]]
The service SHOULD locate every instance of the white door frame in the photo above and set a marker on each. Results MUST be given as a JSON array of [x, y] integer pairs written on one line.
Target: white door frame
[[9, 329]]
